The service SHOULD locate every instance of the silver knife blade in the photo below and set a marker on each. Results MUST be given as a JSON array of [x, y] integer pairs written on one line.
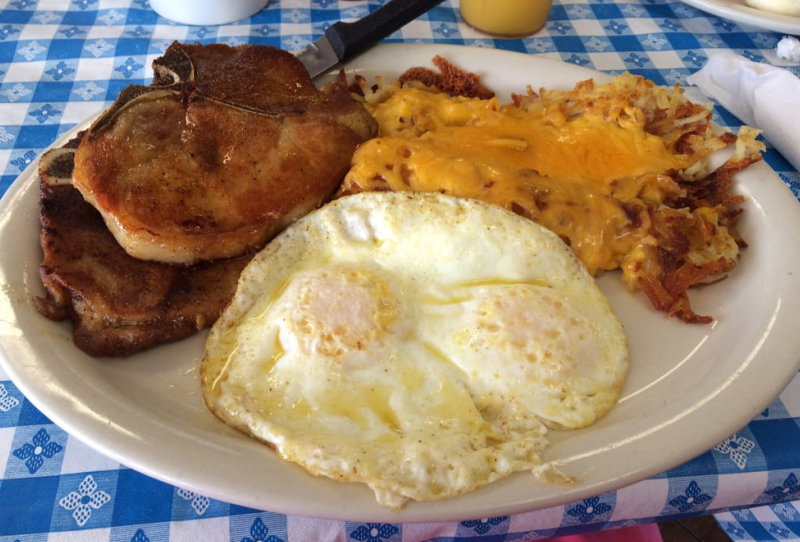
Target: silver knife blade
[[318, 56]]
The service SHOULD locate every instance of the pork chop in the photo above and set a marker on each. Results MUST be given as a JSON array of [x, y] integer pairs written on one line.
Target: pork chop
[[225, 149], [118, 305]]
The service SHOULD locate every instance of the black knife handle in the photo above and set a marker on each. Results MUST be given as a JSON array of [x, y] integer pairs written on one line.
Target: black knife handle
[[350, 39]]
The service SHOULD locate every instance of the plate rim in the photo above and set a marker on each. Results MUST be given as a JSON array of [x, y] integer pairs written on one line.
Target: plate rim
[[63, 409], [746, 15]]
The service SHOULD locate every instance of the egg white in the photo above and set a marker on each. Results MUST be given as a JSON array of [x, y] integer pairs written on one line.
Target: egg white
[[418, 343]]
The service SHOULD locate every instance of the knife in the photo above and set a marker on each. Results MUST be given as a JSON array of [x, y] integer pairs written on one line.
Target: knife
[[342, 41]]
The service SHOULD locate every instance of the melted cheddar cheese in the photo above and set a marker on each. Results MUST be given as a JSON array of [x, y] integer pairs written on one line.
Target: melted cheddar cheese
[[588, 179]]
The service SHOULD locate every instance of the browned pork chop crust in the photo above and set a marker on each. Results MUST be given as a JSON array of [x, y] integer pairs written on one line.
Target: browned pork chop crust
[[118, 305], [228, 147]]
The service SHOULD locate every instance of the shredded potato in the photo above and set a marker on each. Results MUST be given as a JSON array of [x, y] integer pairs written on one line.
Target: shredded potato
[[620, 170]]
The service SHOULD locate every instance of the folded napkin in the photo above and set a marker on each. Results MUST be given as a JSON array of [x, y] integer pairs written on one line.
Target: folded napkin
[[762, 96]]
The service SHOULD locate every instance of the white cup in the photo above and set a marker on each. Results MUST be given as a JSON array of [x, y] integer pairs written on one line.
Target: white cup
[[207, 12]]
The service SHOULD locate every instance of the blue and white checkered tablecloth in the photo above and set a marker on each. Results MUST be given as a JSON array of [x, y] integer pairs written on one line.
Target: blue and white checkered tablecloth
[[775, 522], [62, 61]]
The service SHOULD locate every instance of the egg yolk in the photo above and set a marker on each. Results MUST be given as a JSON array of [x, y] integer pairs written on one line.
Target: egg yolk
[[339, 310], [534, 335]]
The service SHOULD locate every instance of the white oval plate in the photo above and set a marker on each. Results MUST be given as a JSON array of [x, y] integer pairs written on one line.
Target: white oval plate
[[738, 11], [689, 387]]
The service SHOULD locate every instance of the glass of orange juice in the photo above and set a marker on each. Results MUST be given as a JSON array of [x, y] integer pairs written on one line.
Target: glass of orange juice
[[506, 18]]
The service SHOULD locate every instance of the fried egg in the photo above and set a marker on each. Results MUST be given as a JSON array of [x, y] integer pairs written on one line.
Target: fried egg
[[418, 343]]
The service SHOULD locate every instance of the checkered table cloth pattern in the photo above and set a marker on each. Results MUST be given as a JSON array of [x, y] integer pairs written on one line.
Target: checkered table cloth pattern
[[775, 522], [63, 61]]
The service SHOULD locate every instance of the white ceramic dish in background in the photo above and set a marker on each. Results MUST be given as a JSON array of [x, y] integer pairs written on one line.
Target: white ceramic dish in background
[[738, 11], [689, 387], [207, 12]]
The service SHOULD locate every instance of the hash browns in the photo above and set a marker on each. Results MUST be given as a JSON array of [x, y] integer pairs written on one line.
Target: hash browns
[[678, 221]]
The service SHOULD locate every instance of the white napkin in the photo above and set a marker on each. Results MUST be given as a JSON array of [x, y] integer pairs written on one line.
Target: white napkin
[[762, 96]]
